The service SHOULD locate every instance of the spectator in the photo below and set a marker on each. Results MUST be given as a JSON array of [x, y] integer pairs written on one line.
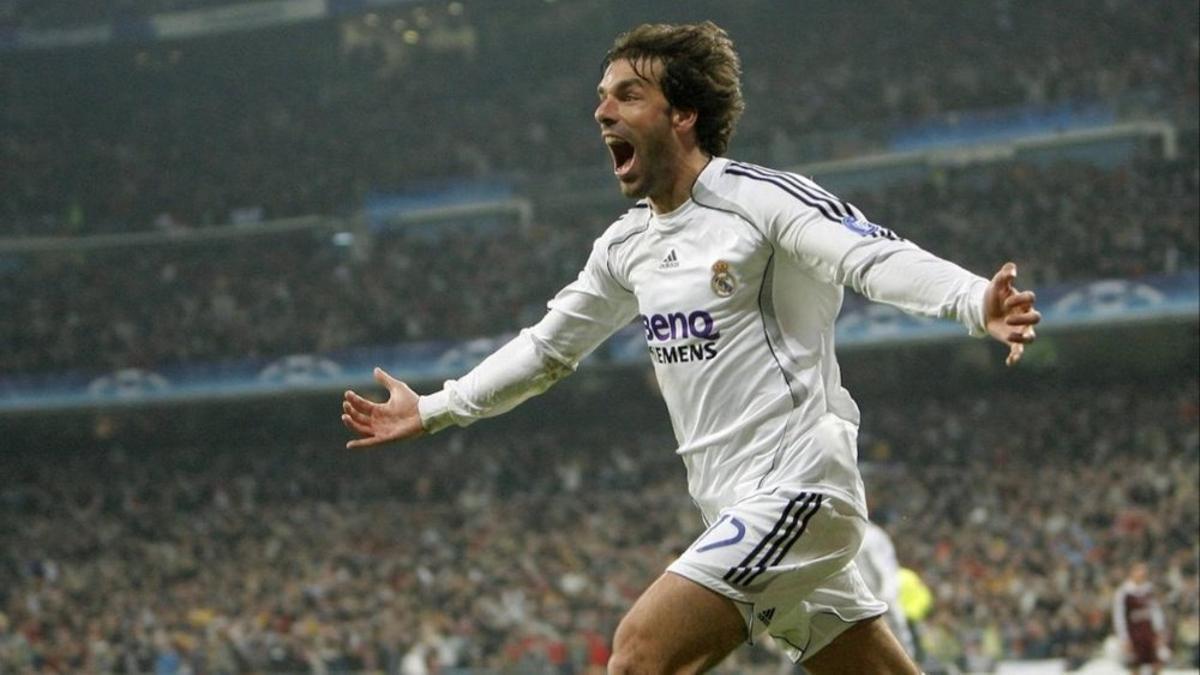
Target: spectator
[[109, 309], [270, 558], [118, 138]]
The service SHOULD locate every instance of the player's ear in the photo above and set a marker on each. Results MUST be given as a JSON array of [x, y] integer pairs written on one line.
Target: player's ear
[[683, 120]]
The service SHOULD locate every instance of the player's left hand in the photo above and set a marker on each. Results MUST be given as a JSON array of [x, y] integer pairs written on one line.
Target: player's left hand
[[1009, 313]]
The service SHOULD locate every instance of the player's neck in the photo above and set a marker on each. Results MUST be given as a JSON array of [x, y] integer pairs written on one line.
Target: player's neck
[[679, 189]]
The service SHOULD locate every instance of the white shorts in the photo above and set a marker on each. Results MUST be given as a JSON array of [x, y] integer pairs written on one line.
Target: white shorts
[[786, 559]]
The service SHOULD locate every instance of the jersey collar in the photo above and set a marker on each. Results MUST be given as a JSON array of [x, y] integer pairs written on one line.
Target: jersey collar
[[708, 177], [678, 217]]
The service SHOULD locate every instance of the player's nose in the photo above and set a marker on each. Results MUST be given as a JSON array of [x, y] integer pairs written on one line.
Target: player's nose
[[605, 113]]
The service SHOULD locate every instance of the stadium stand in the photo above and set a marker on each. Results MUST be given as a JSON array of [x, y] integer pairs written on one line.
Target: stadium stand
[[261, 556], [69, 13], [302, 293], [186, 132]]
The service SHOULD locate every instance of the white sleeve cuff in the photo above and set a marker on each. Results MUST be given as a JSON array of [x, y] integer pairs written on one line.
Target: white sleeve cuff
[[976, 309], [435, 411]]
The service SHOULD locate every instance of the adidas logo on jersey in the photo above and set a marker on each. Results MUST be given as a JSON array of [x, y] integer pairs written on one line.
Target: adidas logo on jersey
[[670, 262], [766, 615]]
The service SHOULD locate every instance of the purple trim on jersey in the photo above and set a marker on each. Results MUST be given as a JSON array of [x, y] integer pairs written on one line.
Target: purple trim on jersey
[[783, 186], [737, 524], [608, 257], [807, 186], [838, 208], [774, 334]]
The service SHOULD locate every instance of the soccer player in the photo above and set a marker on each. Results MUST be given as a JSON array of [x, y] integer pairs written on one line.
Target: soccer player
[[1138, 622], [735, 273]]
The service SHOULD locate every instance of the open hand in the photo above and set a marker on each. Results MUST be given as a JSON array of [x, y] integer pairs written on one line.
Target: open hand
[[1010, 314], [376, 423]]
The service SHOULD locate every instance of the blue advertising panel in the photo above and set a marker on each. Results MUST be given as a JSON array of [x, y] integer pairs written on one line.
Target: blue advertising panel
[[861, 323]]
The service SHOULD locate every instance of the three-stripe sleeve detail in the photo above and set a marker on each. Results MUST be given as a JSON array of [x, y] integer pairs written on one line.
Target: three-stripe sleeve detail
[[809, 193], [840, 207]]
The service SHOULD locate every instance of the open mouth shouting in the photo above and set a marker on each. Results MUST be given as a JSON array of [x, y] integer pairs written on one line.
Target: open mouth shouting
[[624, 156]]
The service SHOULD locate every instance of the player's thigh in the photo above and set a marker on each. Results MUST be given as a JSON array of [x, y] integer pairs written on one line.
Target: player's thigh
[[867, 647], [676, 626]]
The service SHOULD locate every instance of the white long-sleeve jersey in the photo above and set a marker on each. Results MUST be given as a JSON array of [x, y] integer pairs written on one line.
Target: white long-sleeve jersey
[[737, 291]]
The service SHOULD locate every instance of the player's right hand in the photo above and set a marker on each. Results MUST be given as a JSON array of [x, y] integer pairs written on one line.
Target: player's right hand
[[395, 419]]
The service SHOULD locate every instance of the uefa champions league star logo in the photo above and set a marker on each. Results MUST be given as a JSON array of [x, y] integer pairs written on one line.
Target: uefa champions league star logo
[[723, 283], [862, 227], [865, 228]]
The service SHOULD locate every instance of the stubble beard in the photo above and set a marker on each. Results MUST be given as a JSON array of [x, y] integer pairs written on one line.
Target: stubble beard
[[655, 162]]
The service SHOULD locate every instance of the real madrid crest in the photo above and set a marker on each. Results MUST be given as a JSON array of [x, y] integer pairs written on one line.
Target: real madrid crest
[[723, 283]]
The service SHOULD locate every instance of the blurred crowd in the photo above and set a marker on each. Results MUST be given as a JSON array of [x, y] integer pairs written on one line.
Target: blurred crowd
[[224, 558], [309, 118], [1062, 222], [1022, 513], [43, 14], [274, 295]]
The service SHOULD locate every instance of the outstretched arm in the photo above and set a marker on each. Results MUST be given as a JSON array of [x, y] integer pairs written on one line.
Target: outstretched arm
[[526, 366], [875, 262], [581, 316], [919, 282], [836, 243]]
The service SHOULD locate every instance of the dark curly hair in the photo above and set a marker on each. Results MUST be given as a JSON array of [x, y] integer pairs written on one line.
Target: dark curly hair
[[701, 72]]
